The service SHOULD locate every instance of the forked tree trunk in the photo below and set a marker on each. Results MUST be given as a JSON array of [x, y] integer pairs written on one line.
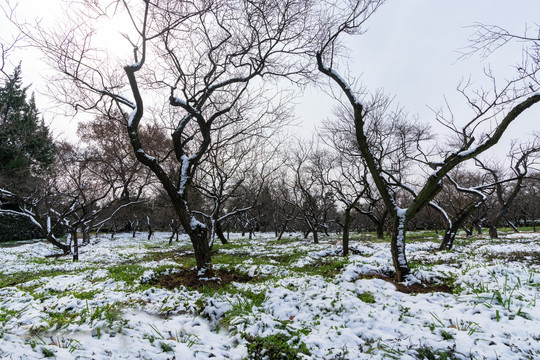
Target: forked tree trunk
[[468, 231], [175, 230], [478, 227]]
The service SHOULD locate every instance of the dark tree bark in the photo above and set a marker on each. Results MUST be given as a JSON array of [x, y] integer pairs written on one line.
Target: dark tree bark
[[75, 241]]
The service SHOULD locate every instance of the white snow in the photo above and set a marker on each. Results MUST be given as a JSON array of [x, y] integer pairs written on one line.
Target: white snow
[[494, 315]]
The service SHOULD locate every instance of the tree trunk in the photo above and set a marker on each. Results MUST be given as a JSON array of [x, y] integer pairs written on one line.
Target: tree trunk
[[66, 248], [380, 230], [75, 245], [219, 233], [449, 237], [397, 247], [512, 225], [150, 230], [315, 236], [458, 221], [493, 232], [86, 235], [346, 227], [280, 235], [199, 238], [477, 225]]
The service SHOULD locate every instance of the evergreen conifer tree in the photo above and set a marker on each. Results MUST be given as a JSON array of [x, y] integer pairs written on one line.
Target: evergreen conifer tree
[[26, 147]]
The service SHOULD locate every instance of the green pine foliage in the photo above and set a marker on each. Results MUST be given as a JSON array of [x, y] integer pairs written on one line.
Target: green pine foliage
[[27, 152], [26, 147]]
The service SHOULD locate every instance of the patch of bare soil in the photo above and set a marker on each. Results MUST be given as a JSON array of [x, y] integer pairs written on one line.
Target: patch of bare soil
[[423, 288], [190, 279], [529, 257], [173, 255]]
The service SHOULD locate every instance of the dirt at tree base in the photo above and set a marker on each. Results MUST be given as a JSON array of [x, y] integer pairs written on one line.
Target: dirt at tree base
[[423, 288], [190, 279]]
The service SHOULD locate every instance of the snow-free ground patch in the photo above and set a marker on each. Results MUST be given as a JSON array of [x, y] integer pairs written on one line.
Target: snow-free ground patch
[[133, 298]]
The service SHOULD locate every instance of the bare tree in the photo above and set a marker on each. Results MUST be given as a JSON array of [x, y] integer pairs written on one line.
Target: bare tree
[[207, 60], [238, 167], [523, 157], [344, 174], [69, 197], [313, 197], [283, 211], [528, 200], [467, 193], [501, 107]]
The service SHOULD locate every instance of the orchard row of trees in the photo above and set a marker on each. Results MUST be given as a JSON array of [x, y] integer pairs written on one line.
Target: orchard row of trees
[[190, 131]]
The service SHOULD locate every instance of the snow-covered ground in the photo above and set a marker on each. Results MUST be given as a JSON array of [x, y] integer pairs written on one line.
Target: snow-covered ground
[[305, 301]]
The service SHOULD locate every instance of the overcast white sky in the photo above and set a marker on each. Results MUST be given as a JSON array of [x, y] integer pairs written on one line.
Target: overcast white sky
[[410, 51]]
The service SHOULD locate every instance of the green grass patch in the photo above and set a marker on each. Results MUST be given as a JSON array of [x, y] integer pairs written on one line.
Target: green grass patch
[[428, 353], [327, 267], [85, 295], [367, 297], [276, 347], [243, 306], [7, 314], [59, 320], [47, 353], [128, 273], [237, 244]]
